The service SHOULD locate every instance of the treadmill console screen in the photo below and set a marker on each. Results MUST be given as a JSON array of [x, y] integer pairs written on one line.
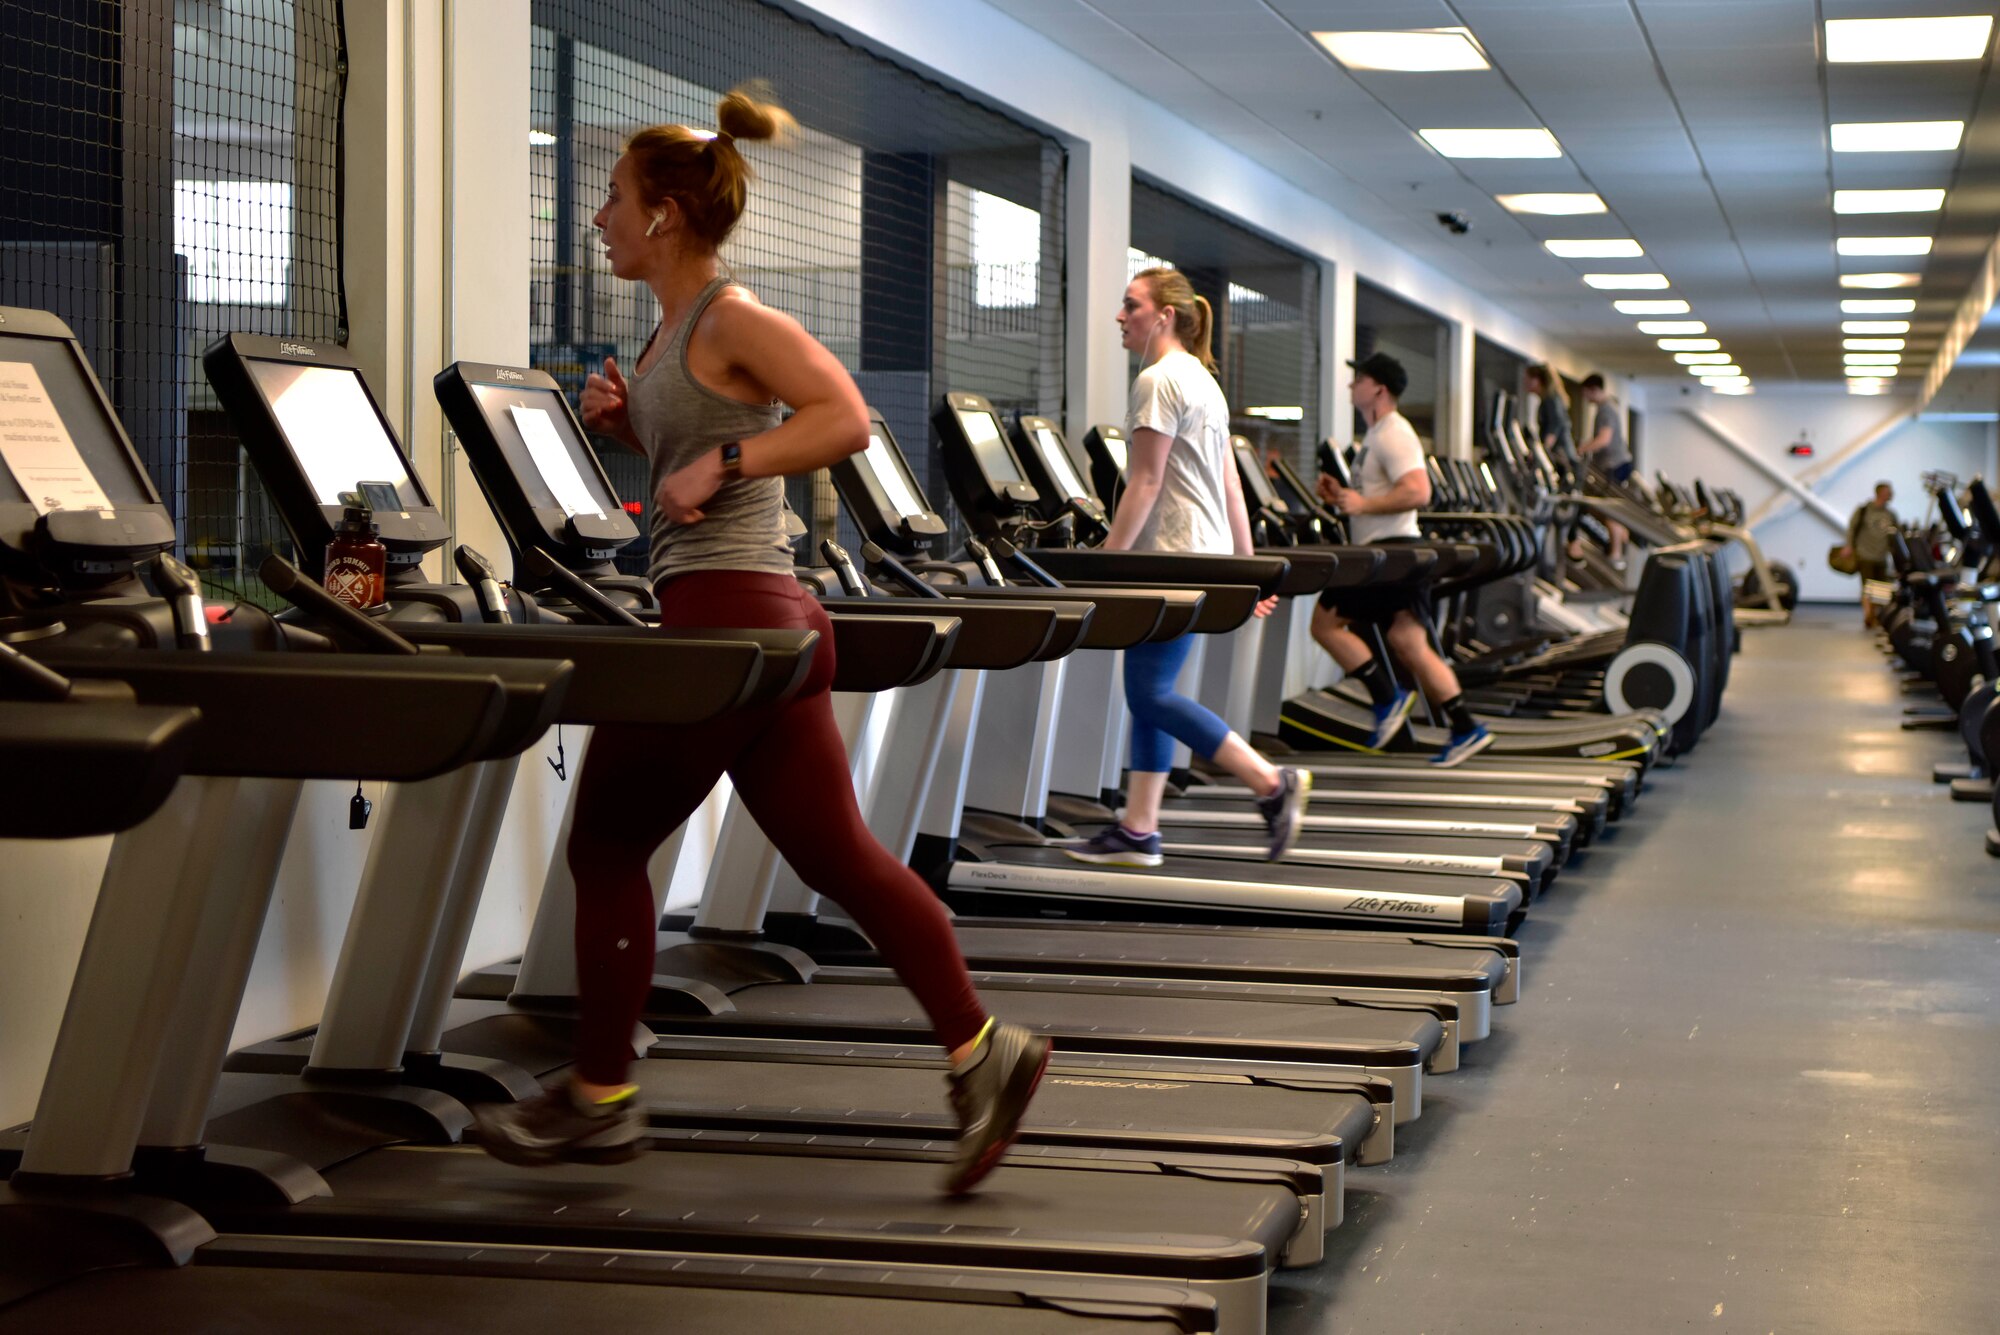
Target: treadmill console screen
[[1115, 444], [1056, 459], [535, 432], [58, 449], [334, 431], [882, 462], [989, 446]]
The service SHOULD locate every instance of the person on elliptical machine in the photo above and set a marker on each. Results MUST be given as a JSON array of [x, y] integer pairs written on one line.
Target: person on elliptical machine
[[1393, 485], [1182, 494], [703, 404]]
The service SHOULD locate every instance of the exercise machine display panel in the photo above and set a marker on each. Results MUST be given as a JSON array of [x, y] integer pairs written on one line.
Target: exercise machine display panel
[[1056, 459], [535, 432], [885, 464], [336, 435], [989, 445], [66, 465]]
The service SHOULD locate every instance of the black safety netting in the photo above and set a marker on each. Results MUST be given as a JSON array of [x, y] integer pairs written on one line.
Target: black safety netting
[[914, 232], [169, 173]]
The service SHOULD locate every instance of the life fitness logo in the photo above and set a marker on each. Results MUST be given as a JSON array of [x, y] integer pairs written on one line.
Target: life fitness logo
[[502, 373], [296, 350], [348, 578]]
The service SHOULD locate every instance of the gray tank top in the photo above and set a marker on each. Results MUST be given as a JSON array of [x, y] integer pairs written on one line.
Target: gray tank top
[[678, 419]]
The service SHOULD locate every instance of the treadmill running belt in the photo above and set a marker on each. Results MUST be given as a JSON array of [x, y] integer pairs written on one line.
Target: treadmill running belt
[[233, 1299], [1202, 1115], [1106, 1018], [778, 1200]]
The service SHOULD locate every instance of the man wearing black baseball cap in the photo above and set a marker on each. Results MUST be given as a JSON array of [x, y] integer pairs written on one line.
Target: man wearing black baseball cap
[[1391, 485]]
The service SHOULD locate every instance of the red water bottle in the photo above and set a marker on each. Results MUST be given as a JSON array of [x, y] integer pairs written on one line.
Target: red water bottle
[[356, 560]]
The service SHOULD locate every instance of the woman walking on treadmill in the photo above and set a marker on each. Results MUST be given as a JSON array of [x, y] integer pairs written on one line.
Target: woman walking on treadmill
[[1182, 494], [703, 405]]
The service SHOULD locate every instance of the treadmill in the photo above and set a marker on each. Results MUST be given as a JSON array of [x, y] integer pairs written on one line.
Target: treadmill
[[169, 963], [992, 486], [362, 1038], [1087, 795], [1121, 1019], [80, 1255], [1093, 701]]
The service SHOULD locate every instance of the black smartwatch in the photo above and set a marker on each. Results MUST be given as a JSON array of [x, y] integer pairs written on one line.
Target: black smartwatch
[[732, 461]]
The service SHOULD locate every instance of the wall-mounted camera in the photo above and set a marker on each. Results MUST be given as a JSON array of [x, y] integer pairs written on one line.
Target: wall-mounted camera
[[1455, 222]]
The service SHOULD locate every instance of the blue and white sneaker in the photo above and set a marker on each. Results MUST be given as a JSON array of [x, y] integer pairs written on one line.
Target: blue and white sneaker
[[1284, 809], [1113, 846], [1463, 746], [1390, 718]]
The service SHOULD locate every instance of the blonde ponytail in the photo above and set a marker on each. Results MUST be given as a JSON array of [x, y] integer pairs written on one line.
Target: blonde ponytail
[[1198, 340], [1194, 318]]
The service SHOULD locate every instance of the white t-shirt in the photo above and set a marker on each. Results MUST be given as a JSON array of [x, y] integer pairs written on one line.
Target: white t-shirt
[[1177, 397], [1388, 451]]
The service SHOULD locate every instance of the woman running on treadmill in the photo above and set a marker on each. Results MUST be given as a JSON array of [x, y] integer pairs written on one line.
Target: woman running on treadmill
[[703, 405], [1182, 494]]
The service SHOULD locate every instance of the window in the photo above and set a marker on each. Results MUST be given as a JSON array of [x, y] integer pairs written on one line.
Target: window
[[237, 239], [914, 232], [1006, 251]]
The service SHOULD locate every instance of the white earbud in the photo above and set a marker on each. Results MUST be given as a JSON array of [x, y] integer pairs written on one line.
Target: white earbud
[[654, 225]]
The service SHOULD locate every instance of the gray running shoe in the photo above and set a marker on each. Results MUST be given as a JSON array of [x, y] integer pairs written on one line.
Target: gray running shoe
[[1283, 809], [990, 1095], [1113, 847], [551, 1128]]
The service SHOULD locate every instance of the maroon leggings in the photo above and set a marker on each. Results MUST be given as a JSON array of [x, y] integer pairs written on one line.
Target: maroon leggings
[[790, 769]]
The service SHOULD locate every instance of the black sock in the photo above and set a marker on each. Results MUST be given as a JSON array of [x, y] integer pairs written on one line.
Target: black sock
[[1375, 676], [1458, 716]]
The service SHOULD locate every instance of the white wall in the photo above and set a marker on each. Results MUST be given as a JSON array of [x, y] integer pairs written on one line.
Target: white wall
[[1769, 421]]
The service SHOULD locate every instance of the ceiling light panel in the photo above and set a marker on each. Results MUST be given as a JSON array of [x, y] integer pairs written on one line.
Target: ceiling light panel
[[1878, 305], [1553, 205], [1534, 143], [1730, 370], [1887, 201], [1885, 41], [1870, 372], [1872, 344], [1672, 327], [1650, 307], [1867, 387], [1702, 358], [1600, 248], [1883, 245], [1421, 51], [1689, 345], [1872, 358], [1880, 280], [1897, 136], [1874, 326], [1626, 282]]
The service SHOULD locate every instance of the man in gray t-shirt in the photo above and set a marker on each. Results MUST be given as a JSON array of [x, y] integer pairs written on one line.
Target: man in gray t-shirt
[[1606, 447]]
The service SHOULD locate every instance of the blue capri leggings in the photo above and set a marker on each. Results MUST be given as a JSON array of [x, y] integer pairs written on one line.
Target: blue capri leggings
[[1160, 717]]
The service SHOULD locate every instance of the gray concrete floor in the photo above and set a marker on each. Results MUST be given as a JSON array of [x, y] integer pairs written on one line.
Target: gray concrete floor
[[1753, 1083]]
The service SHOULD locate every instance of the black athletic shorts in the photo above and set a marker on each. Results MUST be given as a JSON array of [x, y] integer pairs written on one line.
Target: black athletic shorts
[[1378, 604]]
